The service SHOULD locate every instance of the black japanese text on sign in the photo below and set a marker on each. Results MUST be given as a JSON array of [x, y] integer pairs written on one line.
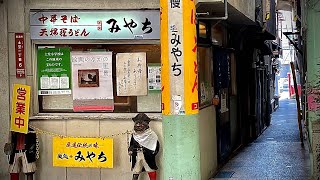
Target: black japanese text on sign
[[95, 25], [83, 152]]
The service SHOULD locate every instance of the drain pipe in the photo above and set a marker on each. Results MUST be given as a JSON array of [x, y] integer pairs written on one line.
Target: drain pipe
[[216, 18]]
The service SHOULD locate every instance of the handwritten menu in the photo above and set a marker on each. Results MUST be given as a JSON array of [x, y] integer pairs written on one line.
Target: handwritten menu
[[131, 74]]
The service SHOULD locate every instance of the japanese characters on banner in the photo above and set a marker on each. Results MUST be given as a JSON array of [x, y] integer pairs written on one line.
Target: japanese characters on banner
[[20, 108], [179, 58], [154, 77], [19, 50], [131, 74], [120, 24], [82, 152], [92, 81], [54, 71]]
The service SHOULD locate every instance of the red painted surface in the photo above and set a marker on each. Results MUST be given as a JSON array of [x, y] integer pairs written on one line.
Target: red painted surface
[[19, 51]]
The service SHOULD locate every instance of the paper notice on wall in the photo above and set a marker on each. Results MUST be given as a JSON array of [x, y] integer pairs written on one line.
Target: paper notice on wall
[[224, 103], [92, 81], [154, 77], [54, 71], [131, 74]]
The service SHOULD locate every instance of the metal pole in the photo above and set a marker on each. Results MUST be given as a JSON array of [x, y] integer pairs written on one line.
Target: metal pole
[[297, 100]]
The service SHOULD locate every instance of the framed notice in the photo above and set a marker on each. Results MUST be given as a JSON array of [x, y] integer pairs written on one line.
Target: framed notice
[[131, 74], [92, 85], [54, 71]]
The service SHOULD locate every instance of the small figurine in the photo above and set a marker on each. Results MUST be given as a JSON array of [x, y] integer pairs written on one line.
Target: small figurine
[[22, 152], [144, 146]]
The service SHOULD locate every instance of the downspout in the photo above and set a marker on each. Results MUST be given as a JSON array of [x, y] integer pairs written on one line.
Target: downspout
[[225, 17]]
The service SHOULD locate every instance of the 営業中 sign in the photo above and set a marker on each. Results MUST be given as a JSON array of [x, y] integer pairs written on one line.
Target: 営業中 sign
[[20, 108], [54, 71]]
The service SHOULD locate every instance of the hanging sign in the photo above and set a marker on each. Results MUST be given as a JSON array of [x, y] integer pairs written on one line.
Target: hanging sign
[[266, 10], [82, 152], [20, 108], [131, 74], [179, 58], [54, 71], [92, 81], [19, 50], [111, 24]]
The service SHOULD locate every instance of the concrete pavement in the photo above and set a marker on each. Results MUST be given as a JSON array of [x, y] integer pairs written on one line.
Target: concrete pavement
[[276, 154]]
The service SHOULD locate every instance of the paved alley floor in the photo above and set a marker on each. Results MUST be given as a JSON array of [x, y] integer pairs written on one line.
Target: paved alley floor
[[276, 154]]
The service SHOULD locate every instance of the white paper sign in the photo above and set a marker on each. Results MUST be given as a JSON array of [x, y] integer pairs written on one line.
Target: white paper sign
[[92, 80], [131, 74], [223, 103], [154, 78]]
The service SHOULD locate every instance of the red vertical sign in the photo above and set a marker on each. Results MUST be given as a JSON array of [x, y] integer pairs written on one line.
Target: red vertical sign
[[19, 49]]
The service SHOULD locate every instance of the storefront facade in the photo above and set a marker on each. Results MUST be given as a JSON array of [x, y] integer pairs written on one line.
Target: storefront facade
[[109, 30]]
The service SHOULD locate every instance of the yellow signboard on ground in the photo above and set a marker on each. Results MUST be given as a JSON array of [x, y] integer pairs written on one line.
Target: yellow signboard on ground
[[83, 152], [20, 108]]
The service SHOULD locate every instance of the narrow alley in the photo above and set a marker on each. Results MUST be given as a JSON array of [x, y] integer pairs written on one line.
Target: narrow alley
[[276, 154]]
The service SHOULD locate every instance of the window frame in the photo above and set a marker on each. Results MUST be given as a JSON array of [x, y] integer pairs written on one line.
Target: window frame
[[35, 105]]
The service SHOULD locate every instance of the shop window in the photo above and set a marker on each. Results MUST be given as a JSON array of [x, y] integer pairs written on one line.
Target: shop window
[[151, 102], [205, 76]]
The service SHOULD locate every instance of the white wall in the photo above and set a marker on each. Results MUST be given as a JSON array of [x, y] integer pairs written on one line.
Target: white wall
[[247, 7], [4, 89], [94, 127], [208, 142]]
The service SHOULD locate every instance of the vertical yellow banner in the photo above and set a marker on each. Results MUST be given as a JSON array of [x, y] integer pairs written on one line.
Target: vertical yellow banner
[[20, 108], [179, 57], [190, 60], [165, 78]]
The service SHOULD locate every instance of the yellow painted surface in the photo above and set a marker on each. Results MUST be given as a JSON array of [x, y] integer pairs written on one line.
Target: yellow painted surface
[[20, 108], [165, 76], [189, 42], [83, 152], [190, 58]]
